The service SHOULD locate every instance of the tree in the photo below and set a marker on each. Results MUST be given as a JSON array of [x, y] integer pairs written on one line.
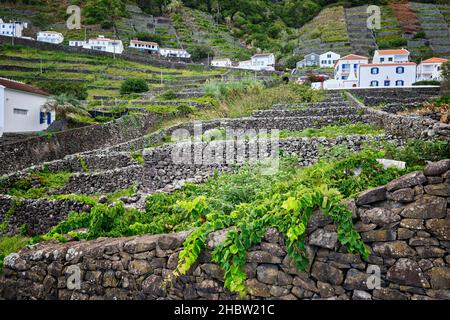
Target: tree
[[66, 107], [104, 12], [200, 51], [133, 86]]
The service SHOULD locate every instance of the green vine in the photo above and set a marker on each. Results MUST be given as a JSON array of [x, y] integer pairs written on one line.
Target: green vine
[[289, 213], [15, 203]]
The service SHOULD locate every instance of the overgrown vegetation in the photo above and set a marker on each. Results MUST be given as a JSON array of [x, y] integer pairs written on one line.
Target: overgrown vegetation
[[248, 202], [10, 245], [133, 86]]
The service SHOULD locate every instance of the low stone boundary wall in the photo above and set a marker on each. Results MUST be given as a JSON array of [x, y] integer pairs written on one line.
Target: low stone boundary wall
[[415, 127], [324, 112], [22, 154], [406, 225], [37, 216]]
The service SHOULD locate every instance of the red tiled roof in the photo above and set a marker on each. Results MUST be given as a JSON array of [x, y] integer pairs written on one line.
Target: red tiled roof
[[354, 57], [393, 51], [19, 86], [435, 60]]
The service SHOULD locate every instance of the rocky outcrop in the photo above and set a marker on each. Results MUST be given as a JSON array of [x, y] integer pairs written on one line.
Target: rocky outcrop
[[406, 225]]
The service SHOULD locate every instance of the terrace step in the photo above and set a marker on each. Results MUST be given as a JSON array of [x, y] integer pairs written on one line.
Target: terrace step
[[323, 112]]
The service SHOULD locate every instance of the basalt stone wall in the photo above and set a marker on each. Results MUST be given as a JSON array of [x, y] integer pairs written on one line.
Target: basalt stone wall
[[405, 126], [38, 215], [171, 165], [406, 225], [324, 112], [375, 97], [26, 153]]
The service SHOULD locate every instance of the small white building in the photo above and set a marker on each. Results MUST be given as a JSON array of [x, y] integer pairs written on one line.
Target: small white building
[[391, 56], [147, 46], [222, 63], [50, 37], [77, 43], [387, 75], [12, 29], [21, 108], [346, 70], [430, 69], [104, 44], [246, 64], [172, 52], [329, 59], [263, 61]]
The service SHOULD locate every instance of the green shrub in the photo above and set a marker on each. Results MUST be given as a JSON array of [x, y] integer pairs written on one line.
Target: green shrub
[[427, 83], [133, 86], [185, 109], [200, 51], [169, 95], [75, 90]]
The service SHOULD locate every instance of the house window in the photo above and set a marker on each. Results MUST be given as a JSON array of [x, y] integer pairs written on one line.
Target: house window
[[41, 117], [49, 118], [374, 71], [399, 83], [390, 59], [387, 83], [22, 112], [400, 70], [329, 56], [382, 59], [344, 78], [374, 83]]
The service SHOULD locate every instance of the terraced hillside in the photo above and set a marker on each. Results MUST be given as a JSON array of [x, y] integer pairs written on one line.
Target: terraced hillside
[[362, 40], [327, 31], [103, 76]]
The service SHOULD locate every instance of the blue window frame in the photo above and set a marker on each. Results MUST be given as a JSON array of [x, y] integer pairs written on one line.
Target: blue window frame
[[387, 83], [399, 83], [374, 83], [400, 70], [344, 78], [374, 71], [49, 118], [42, 118]]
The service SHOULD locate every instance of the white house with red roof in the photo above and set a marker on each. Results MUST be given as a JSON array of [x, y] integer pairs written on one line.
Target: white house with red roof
[[391, 56], [346, 71], [104, 44], [21, 107], [148, 46], [50, 37], [430, 69], [386, 75]]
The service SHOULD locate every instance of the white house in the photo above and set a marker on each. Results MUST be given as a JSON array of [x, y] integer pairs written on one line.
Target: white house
[[311, 59], [21, 108], [222, 63], [430, 69], [50, 36], [329, 59], [391, 56], [247, 64], [263, 61], [12, 29], [151, 47], [346, 70], [387, 74], [172, 52], [104, 44], [77, 43]]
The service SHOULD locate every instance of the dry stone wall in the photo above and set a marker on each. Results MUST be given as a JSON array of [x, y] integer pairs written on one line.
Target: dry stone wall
[[406, 224]]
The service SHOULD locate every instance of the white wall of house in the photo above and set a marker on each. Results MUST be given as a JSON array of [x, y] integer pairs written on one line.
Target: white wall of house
[[104, 44], [171, 52], [144, 45], [429, 71], [221, 63], [328, 59], [387, 75], [263, 62], [2, 109], [391, 56], [22, 111], [346, 69], [50, 37], [10, 29], [77, 43]]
